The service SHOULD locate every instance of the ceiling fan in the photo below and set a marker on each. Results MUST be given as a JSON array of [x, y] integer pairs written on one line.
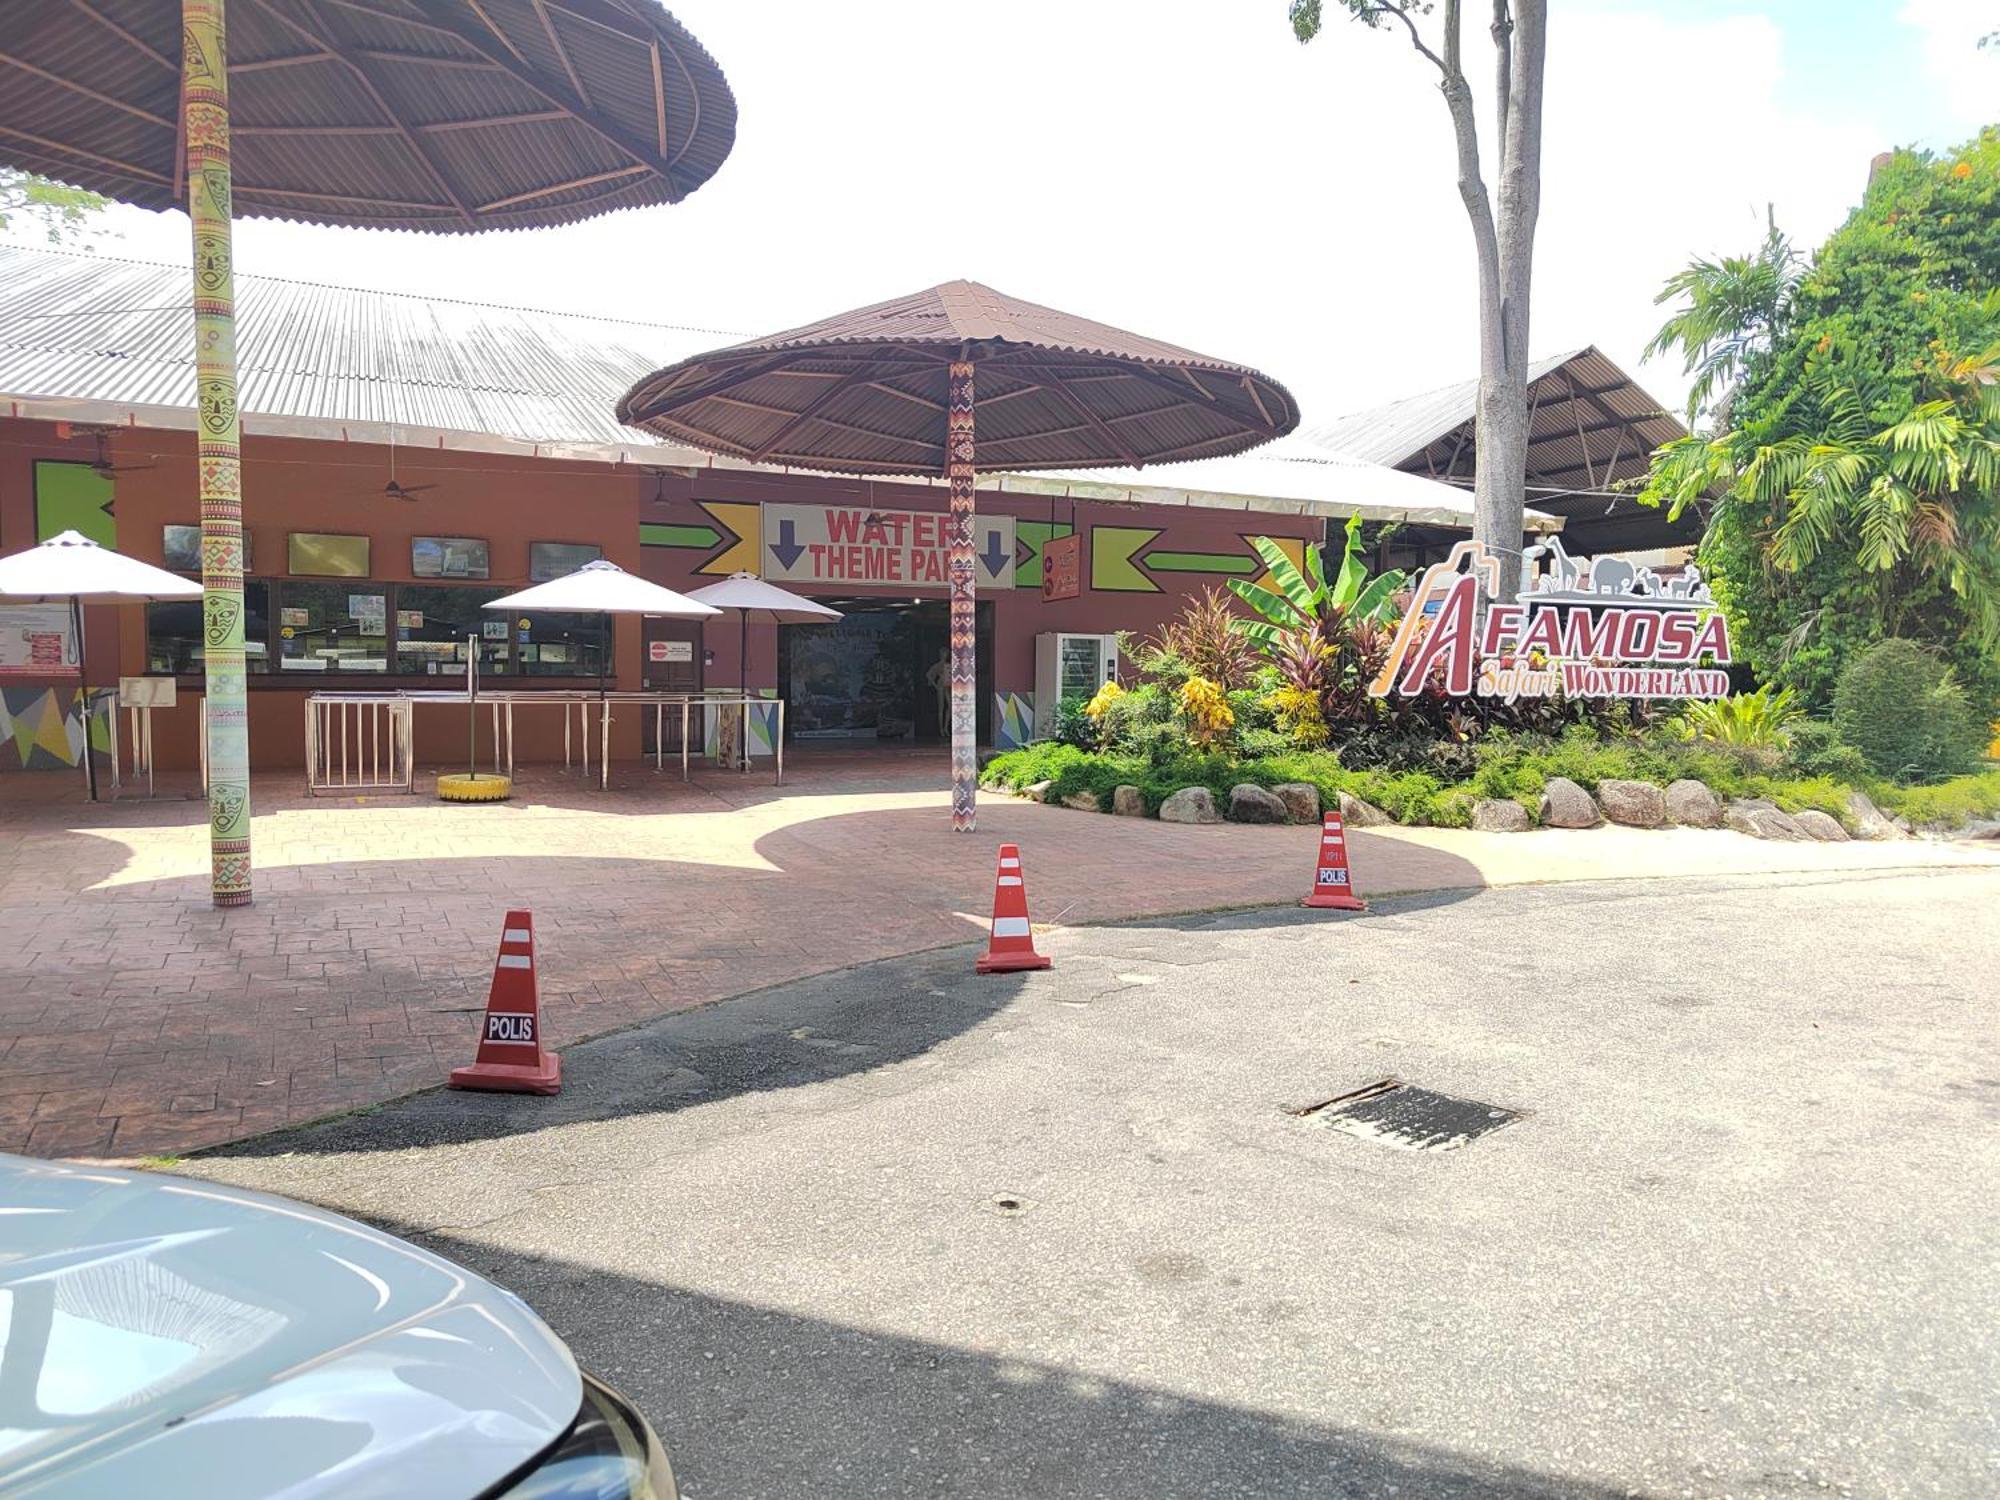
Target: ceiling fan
[[395, 491], [101, 464]]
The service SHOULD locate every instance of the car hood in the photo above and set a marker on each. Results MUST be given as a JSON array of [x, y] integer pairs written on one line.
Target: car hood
[[173, 1338]]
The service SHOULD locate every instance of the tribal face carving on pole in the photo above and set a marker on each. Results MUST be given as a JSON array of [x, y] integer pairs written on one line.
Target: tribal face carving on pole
[[205, 105], [964, 626]]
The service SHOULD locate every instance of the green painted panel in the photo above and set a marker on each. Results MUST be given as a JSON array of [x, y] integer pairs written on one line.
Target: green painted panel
[[1112, 569], [1202, 562], [74, 497], [657, 534]]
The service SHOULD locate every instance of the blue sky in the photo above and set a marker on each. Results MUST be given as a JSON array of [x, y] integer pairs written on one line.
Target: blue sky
[[1186, 169]]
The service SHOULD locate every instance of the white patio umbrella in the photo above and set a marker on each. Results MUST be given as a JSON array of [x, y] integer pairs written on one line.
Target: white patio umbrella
[[602, 587], [71, 568], [749, 595]]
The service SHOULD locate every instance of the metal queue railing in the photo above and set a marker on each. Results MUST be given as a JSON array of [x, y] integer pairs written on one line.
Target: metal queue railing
[[367, 741]]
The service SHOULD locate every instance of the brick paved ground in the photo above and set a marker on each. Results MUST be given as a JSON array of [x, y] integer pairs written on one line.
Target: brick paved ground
[[136, 1018]]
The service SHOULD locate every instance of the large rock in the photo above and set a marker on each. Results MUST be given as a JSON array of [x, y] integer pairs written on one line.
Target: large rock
[[1868, 819], [1354, 813], [1692, 805], [1191, 804], [1254, 804], [1821, 826], [1082, 801], [1500, 815], [1037, 791], [1762, 820], [1128, 802], [1301, 799], [1567, 805], [1636, 804]]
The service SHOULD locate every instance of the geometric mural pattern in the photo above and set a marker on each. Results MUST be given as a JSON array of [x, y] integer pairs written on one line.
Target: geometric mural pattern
[[41, 730], [1013, 720]]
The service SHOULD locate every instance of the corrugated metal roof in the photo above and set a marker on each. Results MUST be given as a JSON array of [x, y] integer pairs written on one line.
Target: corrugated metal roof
[[1592, 430], [93, 328], [94, 338]]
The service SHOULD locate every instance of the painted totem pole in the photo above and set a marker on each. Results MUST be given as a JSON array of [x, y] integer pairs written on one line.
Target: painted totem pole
[[205, 105], [958, 452]]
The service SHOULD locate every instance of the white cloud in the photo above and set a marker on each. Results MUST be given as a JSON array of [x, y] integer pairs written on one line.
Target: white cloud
[[1181, 168], [1966, 77]]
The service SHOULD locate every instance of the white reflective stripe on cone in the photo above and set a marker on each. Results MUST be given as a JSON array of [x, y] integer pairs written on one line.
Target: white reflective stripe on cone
[[516, 961], [516, 935], [1008, 880], [1010, 926], [1010, 864]]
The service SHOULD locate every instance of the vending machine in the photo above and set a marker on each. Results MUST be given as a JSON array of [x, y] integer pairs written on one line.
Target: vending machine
[[1067, 666]]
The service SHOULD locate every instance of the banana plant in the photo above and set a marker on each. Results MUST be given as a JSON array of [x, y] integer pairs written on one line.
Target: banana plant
[[1304, 598]]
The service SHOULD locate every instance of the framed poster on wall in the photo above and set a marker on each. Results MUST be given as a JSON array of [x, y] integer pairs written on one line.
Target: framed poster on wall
[[180, 549], [35, 641], [448, 557], [319, 554], [548, 560]]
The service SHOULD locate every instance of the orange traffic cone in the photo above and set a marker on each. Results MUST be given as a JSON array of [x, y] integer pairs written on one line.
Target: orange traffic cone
[[511, 1059], [1013, 943], [1332, 887]]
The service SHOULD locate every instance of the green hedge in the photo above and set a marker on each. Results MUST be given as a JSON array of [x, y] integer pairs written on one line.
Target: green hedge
[[1507, 767]]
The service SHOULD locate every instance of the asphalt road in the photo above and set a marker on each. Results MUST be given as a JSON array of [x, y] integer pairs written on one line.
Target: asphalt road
[[1742, 1241]]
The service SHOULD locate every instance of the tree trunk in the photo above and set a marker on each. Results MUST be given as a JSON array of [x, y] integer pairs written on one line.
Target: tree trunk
[[1500, 423]]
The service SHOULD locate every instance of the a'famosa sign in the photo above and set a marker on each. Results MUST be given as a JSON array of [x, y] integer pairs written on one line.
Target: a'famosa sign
[[1583, 630]]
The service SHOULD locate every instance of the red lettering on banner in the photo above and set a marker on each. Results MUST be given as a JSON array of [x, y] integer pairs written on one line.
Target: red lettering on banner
[[1586, 633], [1676, 637], [1638, 634], [842, 525], [872, 531], [1541, 634], [1714, 638], [1502, 620], [923, 531], [1451, 637]]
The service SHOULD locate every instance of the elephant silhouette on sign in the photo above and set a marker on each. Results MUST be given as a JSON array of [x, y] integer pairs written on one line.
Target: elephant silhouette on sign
[[1611, 575]]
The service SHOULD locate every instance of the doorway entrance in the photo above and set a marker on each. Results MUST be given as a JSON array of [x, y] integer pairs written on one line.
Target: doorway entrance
[[672, 665], [881, 674]]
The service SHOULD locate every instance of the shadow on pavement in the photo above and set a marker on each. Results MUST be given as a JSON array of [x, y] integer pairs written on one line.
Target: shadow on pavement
[[786, 1037], [756, 1402]]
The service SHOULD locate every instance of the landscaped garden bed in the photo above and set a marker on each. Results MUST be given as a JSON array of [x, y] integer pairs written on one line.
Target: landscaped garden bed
[[1231, 716]]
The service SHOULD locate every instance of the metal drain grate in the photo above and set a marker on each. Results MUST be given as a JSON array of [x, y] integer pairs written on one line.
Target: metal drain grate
[[1395, 1113]]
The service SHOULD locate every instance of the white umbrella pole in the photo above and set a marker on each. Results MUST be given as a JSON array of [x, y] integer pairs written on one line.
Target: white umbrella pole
[[83, 695]]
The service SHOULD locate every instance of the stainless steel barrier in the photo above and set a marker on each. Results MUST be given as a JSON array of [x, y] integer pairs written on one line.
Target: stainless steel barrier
[[359, 742]]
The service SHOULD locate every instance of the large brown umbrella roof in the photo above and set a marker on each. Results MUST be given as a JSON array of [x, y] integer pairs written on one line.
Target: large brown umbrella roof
[[448, 115], [864, 392]]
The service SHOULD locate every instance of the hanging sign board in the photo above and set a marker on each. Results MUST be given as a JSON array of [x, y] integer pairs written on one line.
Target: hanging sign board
[[904, 550], [1062, 567], [670, 650], [1584, 630]]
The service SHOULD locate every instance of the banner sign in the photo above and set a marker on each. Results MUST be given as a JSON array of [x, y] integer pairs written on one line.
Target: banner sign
[[1583, 630], [1062, 567], [901, 549], [35, 641]]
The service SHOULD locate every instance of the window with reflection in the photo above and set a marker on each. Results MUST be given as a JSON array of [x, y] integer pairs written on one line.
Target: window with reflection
[[333, 627], [433, 621], [174, 639], [560, 644]]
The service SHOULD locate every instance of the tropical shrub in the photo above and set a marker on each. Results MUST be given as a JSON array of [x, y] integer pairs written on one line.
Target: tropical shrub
[[1856, 443], [1813, 747], [1073, 726], [1759, 720], [1960, 800], [1201, 641], [1903, 709], [1206, 709]]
